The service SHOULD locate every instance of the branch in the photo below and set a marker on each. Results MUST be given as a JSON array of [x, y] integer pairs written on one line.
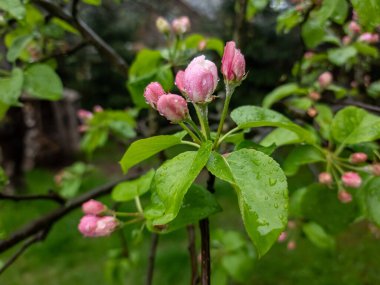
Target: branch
[[53, 196], [87, 33], [193, 255], [68, 52], [152, 257], [47, 221]]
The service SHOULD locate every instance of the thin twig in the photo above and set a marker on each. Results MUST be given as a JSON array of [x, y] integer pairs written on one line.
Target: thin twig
[[152, 257], [74, 9], [87, 33], [67, 52], [52, 196], [193, 255]]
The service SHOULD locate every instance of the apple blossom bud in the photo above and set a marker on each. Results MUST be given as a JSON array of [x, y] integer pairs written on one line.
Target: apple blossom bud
[[173, 107], [344, 196], [312, 112], [325, 79], [369, 38], [200, 80], [233, 63], [358, 157], [375, 169], [83, 128], [93, 207], [162, 25], [106, 225], [308, 55], [87, 225], [351, 179], [291, 245], [315, 96], [202, 45], [98, 109], [179, 81], [354, 27], [282, 237], [152, 93], [325, 178], [181, 25], [84, 115], [346, 40]]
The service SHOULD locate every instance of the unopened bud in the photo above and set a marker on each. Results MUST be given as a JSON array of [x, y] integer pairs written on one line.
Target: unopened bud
[[152, 93], [312, 112], [346, 40], [93, 207], [291, 245], [325, 79], [375, 169], [282, 237], [351, 179], [369, 38], [233, 63], [173, 107], [354, 27], [202, 45], [315, 96], [98, 109], [162, 25], [325, 178], [84, 115], [181, 25], [358, 157], [344, 196]]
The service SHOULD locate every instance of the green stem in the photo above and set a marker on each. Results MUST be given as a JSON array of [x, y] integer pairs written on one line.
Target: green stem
[[339, 149], [190, 132], [122, 214], [227, 135], [195, 128], [190, 143], [229, 92], [204, 112], [138, 205]]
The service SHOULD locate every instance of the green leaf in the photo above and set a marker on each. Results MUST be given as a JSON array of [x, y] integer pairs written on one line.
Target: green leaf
[[340, 12], [3, 178], [268, 150], [145, 148], [287, 20], [340, 56], [64, 25], [366, 49], [324, 119], [353, 125], [261, 188], [192, 41], [14, 8], [372, 200], [313, 32], [251, 116], [320, 204], [72, 179], [17, 46], [128, 190], [317, 235], [93, 139], [374, 89], [300, 155], [300, 103], [174, 178], [215, 44], [280, 137], [42, 82], [368, 12], [93, 2], [219, 167], [3, 110], [11, 87], [282, 92], [197, 204]]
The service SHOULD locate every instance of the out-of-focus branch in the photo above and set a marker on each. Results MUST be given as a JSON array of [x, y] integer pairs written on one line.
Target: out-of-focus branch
[[52, 196], [240, 23], [152, 257], [47, 221], [87, 33], [67, 52], [193, 255]]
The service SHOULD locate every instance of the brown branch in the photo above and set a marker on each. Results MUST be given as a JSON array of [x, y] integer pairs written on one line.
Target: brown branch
[[193, 255], [52, 196], [40, 236], [87, 33], [67, 52], [152, 257], [51, 218], [240, 23]]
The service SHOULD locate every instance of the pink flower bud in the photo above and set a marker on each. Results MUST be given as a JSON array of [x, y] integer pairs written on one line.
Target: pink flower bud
[[344, 196], [83, 128], [354, 27], [291, 245], [346, 40], [308, 55], [93, 207], [375, 169], [202, 45], [84, 115], [200, 80], [179, 81], [152, 93], [282, 237], [181, 25], [173, 107], [105, 226], [325, 79], [233, 63], [325, 178], [312, 112], [98, 109], [87, 225], [351, 179], [369, 38], [315, 96], [358, 157], [162, 25]]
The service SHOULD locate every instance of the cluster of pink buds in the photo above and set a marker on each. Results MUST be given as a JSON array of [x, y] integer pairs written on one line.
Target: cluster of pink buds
[[369, 38], [197, 84], [179, 25], [93, 224], [354, 27], [288, 235], [86, 116]]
